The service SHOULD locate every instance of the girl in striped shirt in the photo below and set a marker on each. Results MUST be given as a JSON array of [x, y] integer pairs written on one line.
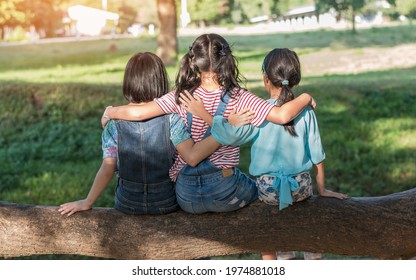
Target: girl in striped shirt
[[281, 155], [209, 72]]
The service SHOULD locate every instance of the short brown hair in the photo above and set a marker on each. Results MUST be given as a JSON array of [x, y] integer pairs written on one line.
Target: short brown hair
[[145, 78]]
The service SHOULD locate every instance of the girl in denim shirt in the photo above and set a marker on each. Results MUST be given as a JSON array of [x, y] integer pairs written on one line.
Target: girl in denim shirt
[[141, 153], [281, 155]]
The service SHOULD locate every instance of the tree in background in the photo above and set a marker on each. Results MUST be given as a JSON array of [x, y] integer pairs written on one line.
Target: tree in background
[[45, 15], [347, 6], [128, 15], [167, 41], [255, 8], [206, 12], [10, 16], [342, 7], [407, 8]]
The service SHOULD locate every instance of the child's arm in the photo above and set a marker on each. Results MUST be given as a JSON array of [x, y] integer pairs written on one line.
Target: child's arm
[[193, 153], [320, 180], [132, 112], [195, 106], [234, 133], [289, 110], [103, 177]]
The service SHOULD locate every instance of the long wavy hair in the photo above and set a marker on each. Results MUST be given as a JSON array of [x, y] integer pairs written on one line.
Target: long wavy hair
[[282, 68], [208, 53]]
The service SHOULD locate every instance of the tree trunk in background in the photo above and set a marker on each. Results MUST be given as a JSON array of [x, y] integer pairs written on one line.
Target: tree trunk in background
[[354, 30], [167, 41], [380, 227]]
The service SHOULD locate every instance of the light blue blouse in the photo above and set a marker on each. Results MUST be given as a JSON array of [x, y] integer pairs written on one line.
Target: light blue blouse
[[274, 151]]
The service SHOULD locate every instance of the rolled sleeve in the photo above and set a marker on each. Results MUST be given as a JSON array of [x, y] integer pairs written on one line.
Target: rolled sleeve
[[178, 130], [228, 134], [260, 106], [109, 139], [167, 103]]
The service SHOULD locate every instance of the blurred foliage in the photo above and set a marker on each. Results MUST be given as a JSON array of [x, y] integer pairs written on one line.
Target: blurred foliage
[[46, 16], [407, 8]]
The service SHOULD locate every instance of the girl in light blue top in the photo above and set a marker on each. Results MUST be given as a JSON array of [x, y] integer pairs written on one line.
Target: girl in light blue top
[[281, 155]]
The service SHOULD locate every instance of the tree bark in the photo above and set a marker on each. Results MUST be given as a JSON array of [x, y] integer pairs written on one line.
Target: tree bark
[[167, 42], [379, 227]]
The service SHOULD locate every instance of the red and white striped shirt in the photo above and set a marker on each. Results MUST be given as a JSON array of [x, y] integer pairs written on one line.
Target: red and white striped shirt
[[224, 156]]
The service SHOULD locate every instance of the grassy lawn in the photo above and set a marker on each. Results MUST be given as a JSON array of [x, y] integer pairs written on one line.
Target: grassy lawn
[[52, 97]]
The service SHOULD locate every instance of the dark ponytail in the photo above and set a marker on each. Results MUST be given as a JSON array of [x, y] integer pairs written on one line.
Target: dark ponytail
[[188, 77], [282, 68], [208, 53]]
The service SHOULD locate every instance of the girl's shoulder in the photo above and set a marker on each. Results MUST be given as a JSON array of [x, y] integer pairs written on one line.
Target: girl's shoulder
[[307, 114], [240, 94], [110, 127], [240, 91]]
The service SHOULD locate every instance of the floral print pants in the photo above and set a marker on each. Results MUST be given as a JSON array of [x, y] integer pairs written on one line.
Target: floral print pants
[[270, 195]]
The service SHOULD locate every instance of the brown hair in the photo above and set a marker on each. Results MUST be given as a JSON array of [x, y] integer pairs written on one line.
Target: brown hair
[[282, 68], [208, 53], [145, 78]]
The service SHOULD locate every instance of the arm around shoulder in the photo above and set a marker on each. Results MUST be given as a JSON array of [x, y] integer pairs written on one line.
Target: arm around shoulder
[[228, 134], [133, 112], [290, 110]]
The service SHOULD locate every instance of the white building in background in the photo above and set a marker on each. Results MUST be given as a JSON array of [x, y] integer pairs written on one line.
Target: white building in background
[[185, 16], [90, 21]]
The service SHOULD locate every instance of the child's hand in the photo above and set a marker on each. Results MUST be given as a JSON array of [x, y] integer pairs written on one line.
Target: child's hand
[[328, 193], [73, 207], [243, 117], [192, 104], [313, 103]]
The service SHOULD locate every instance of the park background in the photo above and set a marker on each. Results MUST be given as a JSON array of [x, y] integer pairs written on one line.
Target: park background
[[53, 91]]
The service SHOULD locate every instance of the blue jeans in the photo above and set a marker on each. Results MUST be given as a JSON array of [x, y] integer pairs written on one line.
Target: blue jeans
[[137, 198], [206, 188]]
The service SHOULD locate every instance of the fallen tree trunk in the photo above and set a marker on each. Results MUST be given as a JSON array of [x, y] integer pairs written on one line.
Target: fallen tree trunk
[[380, 227]]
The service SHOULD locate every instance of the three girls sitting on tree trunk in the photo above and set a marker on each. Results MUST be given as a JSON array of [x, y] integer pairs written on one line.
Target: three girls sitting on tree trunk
[[204, 174], [209, 70]]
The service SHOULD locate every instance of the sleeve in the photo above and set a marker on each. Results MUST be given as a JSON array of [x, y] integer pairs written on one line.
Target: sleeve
[[316, 151], [109, 139], [167, 103], [257, 104], [178, 130], [228, 134]]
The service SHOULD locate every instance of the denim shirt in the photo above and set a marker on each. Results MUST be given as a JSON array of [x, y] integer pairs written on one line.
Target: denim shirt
[[178, 133], [144, 155]]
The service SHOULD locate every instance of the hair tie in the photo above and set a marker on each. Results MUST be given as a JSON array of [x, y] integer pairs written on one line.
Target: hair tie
[[223, 49], [285, 83]]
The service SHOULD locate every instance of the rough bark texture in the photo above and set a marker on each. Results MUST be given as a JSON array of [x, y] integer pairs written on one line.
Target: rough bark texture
[[381, 227], [167, 42]]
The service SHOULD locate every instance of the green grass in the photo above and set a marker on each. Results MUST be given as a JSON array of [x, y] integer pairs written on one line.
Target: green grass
[[52, 97]]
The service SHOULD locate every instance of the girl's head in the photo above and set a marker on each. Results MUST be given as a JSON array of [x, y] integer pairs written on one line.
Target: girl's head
[[208, 53], [145, 78], [281, 69]]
